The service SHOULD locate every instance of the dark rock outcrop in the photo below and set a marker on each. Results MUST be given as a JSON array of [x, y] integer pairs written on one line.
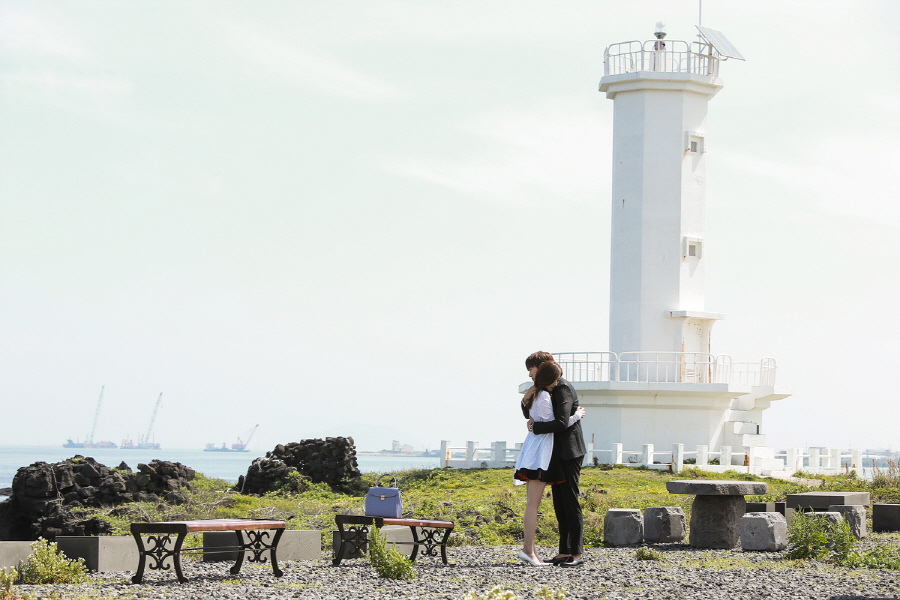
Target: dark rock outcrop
[[331, 461], [49, 499]]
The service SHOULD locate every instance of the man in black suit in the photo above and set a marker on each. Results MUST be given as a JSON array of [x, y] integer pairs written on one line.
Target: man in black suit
[[569, 450]]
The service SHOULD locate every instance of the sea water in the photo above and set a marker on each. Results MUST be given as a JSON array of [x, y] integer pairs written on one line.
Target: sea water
[[219, 465]]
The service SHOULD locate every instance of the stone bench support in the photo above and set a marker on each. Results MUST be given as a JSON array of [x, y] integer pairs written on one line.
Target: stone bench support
[[763, 531], [664, 524], [855, 517]]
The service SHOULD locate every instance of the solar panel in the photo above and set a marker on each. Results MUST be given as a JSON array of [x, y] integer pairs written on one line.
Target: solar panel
[[717, 40]]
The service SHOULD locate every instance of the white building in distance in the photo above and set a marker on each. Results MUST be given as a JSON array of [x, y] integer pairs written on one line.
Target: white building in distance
[[659, 383]]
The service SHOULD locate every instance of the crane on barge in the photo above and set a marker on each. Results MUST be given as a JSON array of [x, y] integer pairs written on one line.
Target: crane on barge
[[89, 443], [144, 442], [239, 446]]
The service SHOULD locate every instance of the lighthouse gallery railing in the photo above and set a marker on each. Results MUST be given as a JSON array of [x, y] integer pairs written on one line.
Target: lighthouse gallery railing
[[664, 367], [662, 56]]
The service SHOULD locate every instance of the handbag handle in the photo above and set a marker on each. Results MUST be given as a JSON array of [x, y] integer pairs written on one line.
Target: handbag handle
[[393, 480]]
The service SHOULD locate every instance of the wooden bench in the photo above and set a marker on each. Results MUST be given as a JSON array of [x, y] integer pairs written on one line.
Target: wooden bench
[[353, 535], [163, 547]]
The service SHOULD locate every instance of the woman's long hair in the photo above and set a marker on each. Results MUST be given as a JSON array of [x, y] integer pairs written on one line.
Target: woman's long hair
[[547, 374]]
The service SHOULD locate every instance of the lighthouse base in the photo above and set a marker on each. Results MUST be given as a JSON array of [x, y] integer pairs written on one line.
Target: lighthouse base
[[664, 414]]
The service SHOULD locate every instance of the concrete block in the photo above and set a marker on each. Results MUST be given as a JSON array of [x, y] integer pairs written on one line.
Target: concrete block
[[820, 501], [886, 517], [12, 553], [763, 531], [855, 517], [760, 507], [101, 553], [623, 527], [834, 517], [295, 544], [663, 524]]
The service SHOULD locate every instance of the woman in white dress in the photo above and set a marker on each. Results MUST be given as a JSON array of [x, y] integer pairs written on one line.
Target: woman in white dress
[[534, 467]]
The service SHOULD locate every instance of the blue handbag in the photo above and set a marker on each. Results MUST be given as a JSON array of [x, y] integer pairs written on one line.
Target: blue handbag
[[384, 501]]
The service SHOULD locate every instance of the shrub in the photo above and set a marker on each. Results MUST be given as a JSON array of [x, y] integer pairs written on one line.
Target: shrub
[[879, 557], [811, 537], [498, 593], [46, 564], [645, 553], [388, 562], [546, 593], [7, 579], [495, 593]]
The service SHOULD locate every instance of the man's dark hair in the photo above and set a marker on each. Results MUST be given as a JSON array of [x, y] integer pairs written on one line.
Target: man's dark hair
[[547, 374], [535, 359]]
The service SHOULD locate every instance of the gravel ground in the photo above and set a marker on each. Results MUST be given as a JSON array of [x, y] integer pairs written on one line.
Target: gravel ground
[[611, 573]]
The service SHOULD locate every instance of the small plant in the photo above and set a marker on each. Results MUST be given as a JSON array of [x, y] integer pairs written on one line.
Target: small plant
[[293, 483], [7, 579], [495, 593], [498, 593], [546, 593], [46, 564], [644, 553], [812, 537], [388, 562], [879, 557]]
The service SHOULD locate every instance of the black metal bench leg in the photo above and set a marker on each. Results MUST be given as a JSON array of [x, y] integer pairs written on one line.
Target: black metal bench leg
[[142, 559], [278, 572], [444, 541], [176, 558], [354, 538], [415, 548], [239, 561]]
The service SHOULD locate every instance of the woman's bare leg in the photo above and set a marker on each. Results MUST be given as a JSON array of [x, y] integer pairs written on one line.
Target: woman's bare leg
[[534, 493]]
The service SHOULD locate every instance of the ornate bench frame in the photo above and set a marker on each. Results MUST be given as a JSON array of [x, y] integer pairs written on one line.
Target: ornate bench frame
[[162, 546], [353, 535]]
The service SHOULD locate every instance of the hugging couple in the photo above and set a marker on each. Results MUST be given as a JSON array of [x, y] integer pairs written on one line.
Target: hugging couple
[[552, 455]]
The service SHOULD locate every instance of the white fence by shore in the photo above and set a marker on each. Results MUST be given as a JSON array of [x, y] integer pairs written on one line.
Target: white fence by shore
[[758, 460]]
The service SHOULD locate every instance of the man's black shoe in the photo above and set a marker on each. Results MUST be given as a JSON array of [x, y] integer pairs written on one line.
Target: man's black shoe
[[557, 559], [576, 562]]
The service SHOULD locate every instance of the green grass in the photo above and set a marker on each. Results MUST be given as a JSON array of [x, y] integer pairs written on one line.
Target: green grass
[[483, 503]]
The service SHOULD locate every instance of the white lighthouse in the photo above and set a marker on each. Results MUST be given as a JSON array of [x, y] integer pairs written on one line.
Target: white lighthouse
[[661, 90], [660, 383]]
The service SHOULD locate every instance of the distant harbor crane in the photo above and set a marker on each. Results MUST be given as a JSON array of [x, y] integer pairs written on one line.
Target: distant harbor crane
[[239, 446], [144, 442], [89, 443]]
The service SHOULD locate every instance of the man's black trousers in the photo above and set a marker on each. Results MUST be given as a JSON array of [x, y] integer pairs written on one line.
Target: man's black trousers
[[568, 509]]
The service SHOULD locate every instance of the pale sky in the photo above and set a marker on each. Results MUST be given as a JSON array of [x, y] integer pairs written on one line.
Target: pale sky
[[357, 218]]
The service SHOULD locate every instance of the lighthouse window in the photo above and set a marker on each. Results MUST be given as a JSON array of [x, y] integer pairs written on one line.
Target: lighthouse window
[[692, 248], [694, 142]]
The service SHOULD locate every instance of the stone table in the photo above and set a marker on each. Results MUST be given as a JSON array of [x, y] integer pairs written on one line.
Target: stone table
[[820, 501], [717, 509]]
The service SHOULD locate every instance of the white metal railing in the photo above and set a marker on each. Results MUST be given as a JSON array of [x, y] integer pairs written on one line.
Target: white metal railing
[[664, 367], [758, 460], [826, 461], [498, 455], [661, 56], [471, 456]]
